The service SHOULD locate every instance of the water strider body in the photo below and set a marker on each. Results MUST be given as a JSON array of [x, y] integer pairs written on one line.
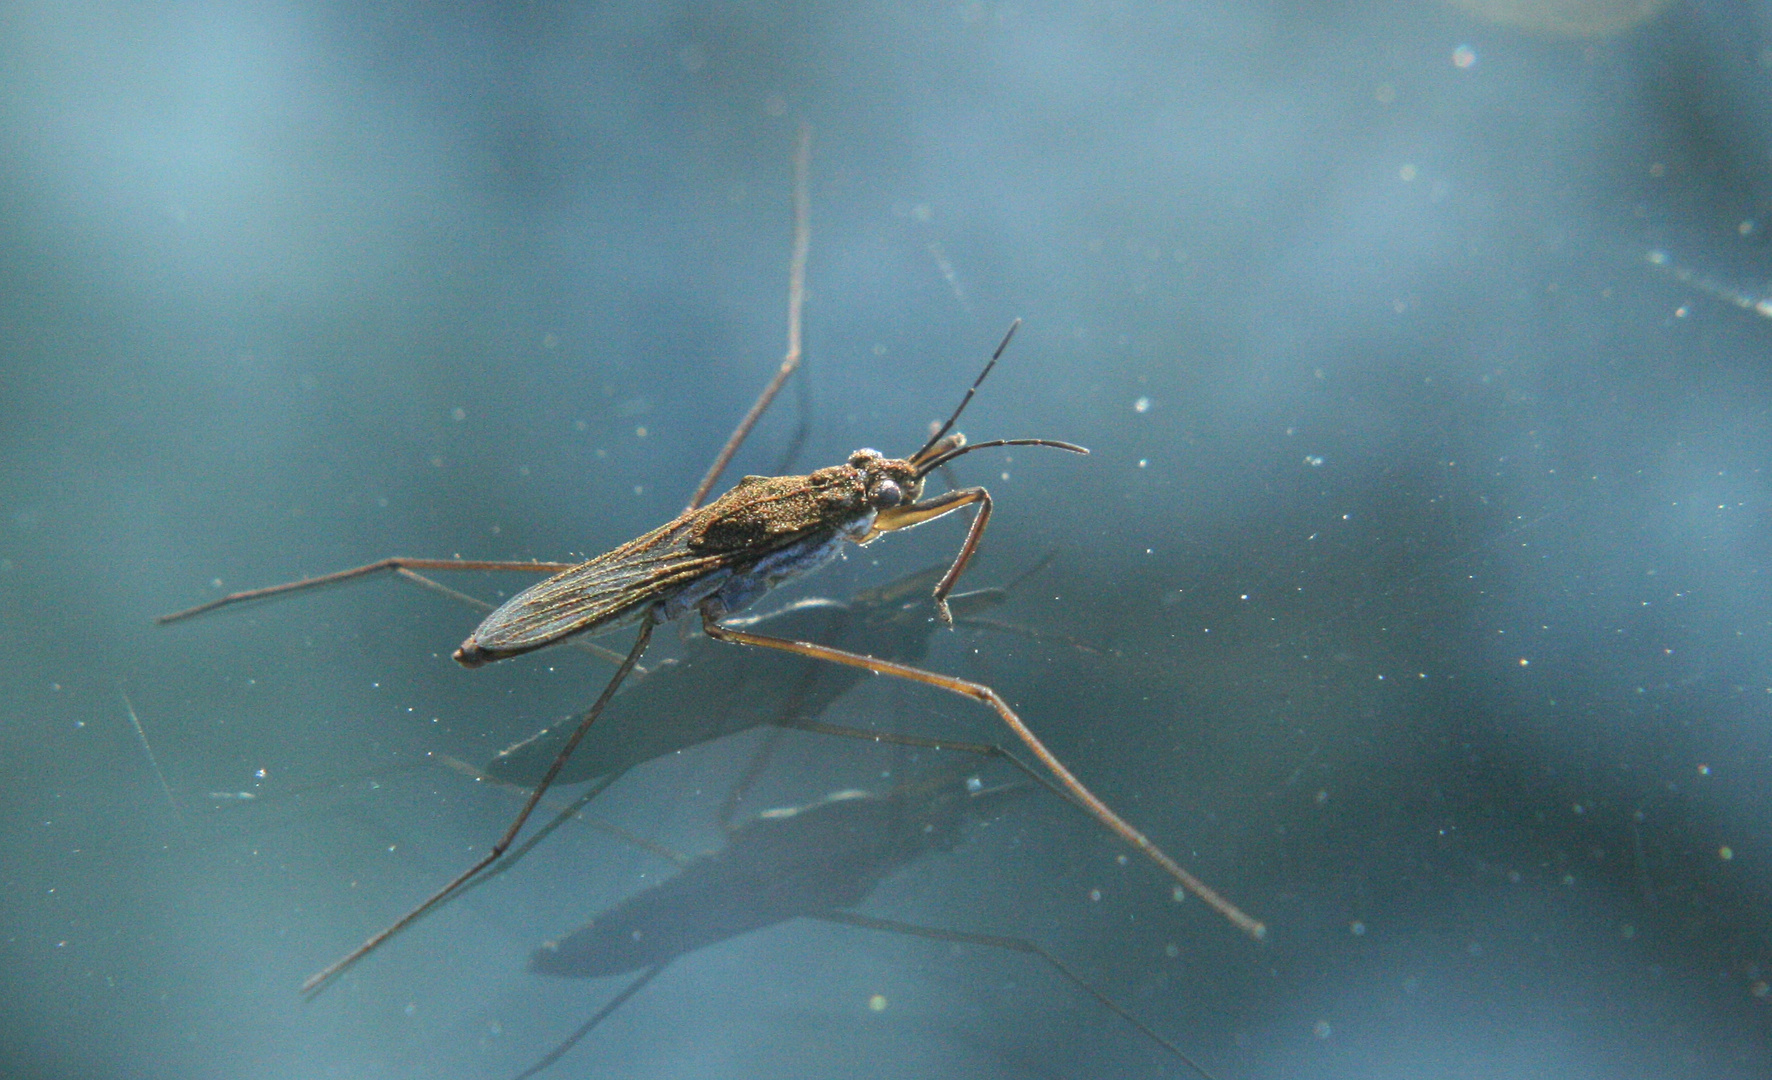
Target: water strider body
[[719, 559]]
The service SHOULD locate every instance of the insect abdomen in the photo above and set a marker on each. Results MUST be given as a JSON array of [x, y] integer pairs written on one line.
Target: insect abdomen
[[746, 585]]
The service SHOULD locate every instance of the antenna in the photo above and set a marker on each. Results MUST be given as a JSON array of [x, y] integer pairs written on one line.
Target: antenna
[[942, 459], [967, 400]]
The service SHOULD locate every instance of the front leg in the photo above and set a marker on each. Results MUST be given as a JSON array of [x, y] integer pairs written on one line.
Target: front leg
[[903, 517]]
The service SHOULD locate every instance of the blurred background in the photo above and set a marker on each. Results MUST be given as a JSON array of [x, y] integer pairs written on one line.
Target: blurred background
[[1412, 595]]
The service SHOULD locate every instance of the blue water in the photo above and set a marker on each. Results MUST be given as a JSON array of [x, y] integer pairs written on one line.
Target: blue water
[[1412, 596]]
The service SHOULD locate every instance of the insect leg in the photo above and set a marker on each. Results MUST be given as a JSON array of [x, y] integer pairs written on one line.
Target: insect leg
[[1013, 944], [319, 979], [397, 563], [903, 517], [573, 811], [982, 693], [796, 301]]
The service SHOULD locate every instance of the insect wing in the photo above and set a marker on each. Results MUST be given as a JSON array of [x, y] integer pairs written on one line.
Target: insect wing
[[601, 594]]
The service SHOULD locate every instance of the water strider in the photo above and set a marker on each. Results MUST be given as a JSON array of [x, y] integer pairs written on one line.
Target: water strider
[[713, 561]]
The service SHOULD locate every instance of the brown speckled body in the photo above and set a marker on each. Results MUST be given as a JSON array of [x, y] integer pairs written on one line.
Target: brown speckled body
[[762, 510], [765, 530]]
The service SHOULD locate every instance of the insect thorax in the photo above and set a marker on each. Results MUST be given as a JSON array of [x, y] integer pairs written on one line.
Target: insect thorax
[[780, 527]]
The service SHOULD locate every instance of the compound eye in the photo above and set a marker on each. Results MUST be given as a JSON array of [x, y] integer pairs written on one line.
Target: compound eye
[[886, 493]]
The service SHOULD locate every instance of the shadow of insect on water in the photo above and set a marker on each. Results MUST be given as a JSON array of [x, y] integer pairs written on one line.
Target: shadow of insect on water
[[814, 861]]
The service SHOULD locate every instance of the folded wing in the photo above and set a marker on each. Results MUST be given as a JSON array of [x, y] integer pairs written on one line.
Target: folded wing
[[608, 591]]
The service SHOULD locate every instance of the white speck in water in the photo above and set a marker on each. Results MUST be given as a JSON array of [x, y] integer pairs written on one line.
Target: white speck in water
[[1143, 404], [1142, 462], [458, 414], [1464, 57], [640, 432], [1095, 895], [1313, 460], [1321, 1029]]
